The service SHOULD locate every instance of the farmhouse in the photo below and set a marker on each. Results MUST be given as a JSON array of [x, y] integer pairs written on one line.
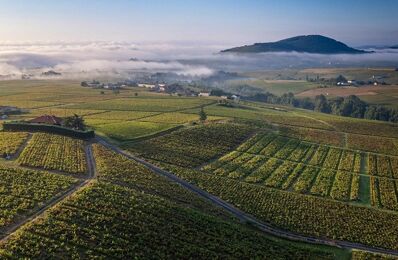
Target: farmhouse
[[343, 83], [143, 85], [47, 119], [204, 94], [235, 98]]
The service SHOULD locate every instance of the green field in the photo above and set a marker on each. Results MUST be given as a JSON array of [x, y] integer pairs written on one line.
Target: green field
[[126, 131], [309, 173], [145, 104], [277, 87]]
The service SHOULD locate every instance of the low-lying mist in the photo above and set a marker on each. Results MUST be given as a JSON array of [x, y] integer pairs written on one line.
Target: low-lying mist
[[122, 59]]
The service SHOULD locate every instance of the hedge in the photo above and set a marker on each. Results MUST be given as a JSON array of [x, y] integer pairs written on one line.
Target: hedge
[[54, 129]]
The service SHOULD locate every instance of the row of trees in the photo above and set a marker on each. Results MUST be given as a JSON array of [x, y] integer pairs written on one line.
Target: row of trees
[[350, 106]]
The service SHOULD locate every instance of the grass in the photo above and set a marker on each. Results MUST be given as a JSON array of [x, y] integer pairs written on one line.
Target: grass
[[145, 104], [364, 189], [279, 87], [172, 118], [127, 131], [126, 118], [120, 115]]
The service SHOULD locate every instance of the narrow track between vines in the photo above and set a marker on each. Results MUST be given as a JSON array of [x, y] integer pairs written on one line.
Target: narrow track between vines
[[9, 231], [244, 217]]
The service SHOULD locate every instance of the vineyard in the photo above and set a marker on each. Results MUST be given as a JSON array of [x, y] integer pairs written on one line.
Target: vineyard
[[375, 144], [130, 130], [313, 174], [146, 216], [54, 152], [268, 115], [21, 191], [308, 215], [362, 255], [193, 146], [10, 142], [290, 164], [144, 104]]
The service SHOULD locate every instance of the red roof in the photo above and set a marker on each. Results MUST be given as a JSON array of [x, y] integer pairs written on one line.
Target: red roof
[[46, 119]]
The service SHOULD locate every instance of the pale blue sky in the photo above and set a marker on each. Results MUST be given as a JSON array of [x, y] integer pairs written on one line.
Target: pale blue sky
[[355, 22]]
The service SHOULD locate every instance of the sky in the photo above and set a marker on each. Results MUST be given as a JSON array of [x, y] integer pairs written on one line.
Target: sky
[[227, 22]]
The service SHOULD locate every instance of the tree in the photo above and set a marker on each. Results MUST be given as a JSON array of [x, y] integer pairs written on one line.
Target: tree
[[394, 115], [287, 99], [371, 112], [322, 104], [335, 105], [202, 115], [341, 78], [378, 113], [307, 103], [218, 93], [75, 122], [352, 106], [135, 94]]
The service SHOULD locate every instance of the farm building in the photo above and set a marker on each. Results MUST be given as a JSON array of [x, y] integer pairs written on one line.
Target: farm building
[[143, 85], [47, 119], [204, 94]]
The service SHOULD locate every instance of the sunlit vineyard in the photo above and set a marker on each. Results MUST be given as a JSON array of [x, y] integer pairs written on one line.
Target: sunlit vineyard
[[304, 214], [10, 142], [21, 191], [294, 165], [155, 104], [363, 255], [193, 146], [316, 175], [54, 152], [146, 216], [313, 135]]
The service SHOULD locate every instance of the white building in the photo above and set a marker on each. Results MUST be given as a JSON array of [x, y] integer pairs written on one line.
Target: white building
[[204, 94], [144, 85], [236, 98]]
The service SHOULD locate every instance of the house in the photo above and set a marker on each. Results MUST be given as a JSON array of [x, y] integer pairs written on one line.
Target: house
[[47, 119], [343, 83], [144, 85], [204, 94], [236, 98]]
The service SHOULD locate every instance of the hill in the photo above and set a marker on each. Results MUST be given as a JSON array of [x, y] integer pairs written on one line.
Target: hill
[[306, 43]]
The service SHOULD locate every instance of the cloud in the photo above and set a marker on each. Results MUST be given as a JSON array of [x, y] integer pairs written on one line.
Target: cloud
[[91, 59], [94, 58]]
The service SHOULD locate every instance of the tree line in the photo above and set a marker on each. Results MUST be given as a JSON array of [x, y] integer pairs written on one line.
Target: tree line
[[350, 106]]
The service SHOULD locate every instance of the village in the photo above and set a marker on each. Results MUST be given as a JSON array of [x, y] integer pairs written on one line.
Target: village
[[175, 89]]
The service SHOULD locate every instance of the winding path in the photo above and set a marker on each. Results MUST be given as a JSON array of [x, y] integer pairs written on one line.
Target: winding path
[[57, 199], [244, 217]]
